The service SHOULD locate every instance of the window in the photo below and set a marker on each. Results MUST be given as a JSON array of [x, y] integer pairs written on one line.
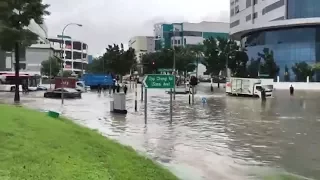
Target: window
[[248, 4], [175, 41], [234, 23], [236, 9], [185, 41], [255, 15], [232, 12], [248, 18], [255, 2], [192, 33], [178, 41], [303, 9], [273, 6]]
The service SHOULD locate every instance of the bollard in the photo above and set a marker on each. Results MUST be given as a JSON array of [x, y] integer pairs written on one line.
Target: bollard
[[192, 94], [189, 95], [141, 91], [136, 97]]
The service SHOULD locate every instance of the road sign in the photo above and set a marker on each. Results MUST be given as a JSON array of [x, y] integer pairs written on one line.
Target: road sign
[[164, 70], [158, 81]]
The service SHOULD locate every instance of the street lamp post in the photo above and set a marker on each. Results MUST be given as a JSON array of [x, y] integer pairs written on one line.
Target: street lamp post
[[174, 63], [64, 58]]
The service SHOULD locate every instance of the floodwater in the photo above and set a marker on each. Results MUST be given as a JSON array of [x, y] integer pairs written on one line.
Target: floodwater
[[229, 138]]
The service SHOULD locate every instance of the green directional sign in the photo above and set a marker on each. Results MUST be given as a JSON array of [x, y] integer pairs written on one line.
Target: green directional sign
[[158, 81]]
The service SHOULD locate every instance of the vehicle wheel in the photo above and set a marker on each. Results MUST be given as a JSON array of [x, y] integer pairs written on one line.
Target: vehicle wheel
[[12, 89]]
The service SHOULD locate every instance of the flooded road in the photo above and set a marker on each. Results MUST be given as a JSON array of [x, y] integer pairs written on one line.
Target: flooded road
[[229, 138]]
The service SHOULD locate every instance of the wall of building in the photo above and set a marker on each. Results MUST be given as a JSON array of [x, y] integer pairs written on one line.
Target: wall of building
[[181, 34], [142, 45], [35, 56], [76, 51], [288, 28]]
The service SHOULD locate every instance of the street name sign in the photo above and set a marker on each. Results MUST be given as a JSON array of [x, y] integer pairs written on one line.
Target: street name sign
[[159, 81], [164, 70]]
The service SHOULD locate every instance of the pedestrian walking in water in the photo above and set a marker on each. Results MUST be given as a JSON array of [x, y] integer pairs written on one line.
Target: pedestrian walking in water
[[118, 88], [99, 88], [125, 89], [263, 94], [291, 90]]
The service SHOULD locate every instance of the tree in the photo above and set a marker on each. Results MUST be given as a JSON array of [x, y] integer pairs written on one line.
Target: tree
[[286, 74], [227, 51], [115, 60], [238, 64], [302, 70], [268, 66], [253, 68], [98, 65], [55, 67], [210, 59], [14, 16]]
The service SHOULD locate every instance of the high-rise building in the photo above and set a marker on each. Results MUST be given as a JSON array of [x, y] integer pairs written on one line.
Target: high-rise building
[[290, 28], [181, 34]]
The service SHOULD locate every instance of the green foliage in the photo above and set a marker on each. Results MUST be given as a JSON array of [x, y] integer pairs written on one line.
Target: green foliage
[[54, 63], [219, 51], [253, 68], [184, 58], [115, 60], [8, 37], [211, 56], [302, 70], [268, 65], [14, 16]]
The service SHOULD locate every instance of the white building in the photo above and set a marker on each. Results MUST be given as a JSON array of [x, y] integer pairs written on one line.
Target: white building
[[181, 34], [76, 51], [142, 45], [290, 28]]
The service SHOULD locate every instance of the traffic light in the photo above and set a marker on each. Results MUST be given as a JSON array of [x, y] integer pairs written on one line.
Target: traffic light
[[193, 81]]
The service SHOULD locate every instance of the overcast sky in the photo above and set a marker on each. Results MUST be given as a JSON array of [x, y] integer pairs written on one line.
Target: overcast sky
[[116, 21]]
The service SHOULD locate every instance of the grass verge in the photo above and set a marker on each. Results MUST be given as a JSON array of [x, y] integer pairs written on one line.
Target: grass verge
[[35, 146]]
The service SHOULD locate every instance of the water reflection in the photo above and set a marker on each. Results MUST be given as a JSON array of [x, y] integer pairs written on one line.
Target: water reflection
[[228, 138]]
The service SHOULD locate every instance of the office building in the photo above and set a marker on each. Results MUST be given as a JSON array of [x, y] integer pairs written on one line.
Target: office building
[[290, 28], [142, 45], [181, 34]]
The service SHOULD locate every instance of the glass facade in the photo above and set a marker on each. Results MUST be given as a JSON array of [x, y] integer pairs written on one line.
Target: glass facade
[[303, 9], [289, 46]]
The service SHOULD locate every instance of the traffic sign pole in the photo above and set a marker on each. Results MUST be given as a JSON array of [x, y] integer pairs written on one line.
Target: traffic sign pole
[[171, 106], [145, 106], [158, 81]]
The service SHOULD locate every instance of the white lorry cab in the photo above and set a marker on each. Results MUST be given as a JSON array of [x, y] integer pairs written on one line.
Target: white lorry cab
[[249, 86]]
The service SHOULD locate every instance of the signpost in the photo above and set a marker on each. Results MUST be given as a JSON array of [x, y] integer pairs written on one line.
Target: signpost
[[158, 81]]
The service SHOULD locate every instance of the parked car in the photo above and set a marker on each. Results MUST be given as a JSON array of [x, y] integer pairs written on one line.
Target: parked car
[[68, 93]]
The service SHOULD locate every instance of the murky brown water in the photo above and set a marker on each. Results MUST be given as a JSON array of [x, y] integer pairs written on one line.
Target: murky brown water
[[229, 138]]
